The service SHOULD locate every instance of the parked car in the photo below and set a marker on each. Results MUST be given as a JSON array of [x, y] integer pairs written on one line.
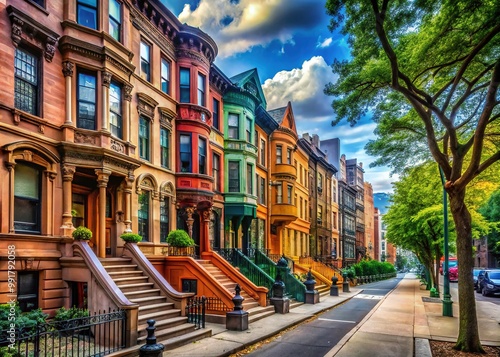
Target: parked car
[[490, 284], [480, 277], [453, 274], [475, 274], [452, 262]]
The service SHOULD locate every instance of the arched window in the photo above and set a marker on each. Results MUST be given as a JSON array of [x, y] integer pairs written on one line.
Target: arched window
[[146, 191]]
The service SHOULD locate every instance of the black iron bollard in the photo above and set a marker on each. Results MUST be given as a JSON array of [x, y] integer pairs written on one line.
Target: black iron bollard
[[312, 296], [151, 348], [237, 320], [334, 289], [345, 284], [310, 282], [280, 302]]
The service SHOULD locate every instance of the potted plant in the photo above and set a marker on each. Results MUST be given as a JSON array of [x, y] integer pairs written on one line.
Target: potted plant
[[82, 233], [131, 237], [180, 243]]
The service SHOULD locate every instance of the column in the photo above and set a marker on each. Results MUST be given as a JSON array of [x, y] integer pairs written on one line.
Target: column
[[67, 227], [49, 179], [205, 239], [190, 220], [102, 183], [127, 89], [106, 81], [10, 168], [128, 202], [68, 75]]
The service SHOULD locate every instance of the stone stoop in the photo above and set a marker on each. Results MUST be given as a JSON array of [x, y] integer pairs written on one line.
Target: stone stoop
[[228, 283], [172, 329]]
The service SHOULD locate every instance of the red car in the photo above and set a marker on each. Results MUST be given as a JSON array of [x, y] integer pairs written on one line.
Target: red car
[[452, 262], [453, 273]]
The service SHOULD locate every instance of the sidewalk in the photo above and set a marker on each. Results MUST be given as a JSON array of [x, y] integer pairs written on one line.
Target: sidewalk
[[388, 330]]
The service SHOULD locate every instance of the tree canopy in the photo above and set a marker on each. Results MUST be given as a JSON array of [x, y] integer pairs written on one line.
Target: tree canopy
[[428, 72]]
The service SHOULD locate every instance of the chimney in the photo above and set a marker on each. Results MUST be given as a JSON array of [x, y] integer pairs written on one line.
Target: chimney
[[315, 140]]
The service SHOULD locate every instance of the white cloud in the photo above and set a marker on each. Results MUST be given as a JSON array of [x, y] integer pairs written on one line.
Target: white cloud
[[325, 43], [303, 87], [239, 26]]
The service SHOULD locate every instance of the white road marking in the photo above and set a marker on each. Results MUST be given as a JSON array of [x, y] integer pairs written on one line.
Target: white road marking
[[370, 297], [350, 322]]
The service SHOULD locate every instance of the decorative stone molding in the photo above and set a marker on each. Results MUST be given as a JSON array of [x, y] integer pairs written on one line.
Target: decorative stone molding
[[81, 138], [127, 92], [106, 78], [146, 105], [68, 68], [117, 146], [166, 117], [25, 28]]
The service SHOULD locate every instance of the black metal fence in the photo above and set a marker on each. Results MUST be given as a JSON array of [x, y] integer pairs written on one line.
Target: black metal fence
[[195, 311], [96, 335]]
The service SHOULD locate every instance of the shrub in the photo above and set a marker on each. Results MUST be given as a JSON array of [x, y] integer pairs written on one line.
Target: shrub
[[179, 238], [24, 320], [82, 233], [131, 237], [64, 314]]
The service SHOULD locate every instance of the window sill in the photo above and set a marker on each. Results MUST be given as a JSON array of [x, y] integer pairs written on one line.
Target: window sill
[[19, 115]]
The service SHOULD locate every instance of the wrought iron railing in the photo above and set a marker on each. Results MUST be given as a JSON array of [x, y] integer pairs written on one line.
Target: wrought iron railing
[[226, 253], [180, 251], [96, 335], [216, 304], [255, 274], [293, 287], [195, 311]]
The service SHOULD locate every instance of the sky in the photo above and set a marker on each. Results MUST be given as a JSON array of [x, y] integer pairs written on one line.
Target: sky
[[290, 45]]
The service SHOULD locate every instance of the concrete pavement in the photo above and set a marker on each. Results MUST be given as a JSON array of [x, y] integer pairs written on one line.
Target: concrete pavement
[[399, 325]]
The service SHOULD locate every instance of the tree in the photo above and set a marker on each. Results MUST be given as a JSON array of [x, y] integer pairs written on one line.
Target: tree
[[491, 212], [429, 72], [415, 218]]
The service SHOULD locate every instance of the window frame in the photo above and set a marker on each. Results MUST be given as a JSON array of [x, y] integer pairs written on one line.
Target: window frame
[[184, 86], [248, 129], [189, 168], [216, 113], [216, 171], [143, 224], [165, 63], [165, 149], [279, 154], [289, 193], [145, 62], [145, 141], [262, 152], [202, 156], [36, 222], [164, 218], [94, 9], [32, 293], [35, 86], [233, 129], [234, 184], [112, 19], [249, 179], [79, 119], [201, 89], [119, 128]]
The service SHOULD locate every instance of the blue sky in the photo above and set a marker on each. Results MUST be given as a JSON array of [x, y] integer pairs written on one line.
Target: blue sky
[[290, 45]]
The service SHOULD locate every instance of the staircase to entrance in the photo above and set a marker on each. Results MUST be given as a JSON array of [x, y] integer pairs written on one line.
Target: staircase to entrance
[[172, 328], [251, 305]]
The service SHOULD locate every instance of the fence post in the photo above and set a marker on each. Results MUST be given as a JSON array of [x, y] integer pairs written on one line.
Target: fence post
[[151, 348]]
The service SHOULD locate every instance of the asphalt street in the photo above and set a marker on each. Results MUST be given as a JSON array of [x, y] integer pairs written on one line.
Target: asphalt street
[[320, 335]]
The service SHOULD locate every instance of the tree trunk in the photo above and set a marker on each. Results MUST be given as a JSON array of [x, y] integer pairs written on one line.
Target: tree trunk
[[468, 334]]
